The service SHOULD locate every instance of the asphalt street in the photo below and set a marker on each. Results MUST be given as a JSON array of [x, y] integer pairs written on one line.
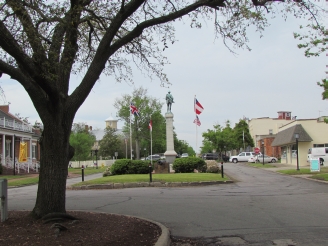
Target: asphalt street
[[260, 208]]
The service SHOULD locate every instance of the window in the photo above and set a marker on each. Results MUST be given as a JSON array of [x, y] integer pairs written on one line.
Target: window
[[8, 148], [270, 131], [33, 151]]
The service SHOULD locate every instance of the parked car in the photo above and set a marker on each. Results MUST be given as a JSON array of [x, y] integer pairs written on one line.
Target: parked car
[[225, 158], [243, 156], [154, 157], [259, 158], [184, 155], [211, 156]]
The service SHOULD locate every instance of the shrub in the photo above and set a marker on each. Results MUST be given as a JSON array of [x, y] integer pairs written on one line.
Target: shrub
[[189, 164], [107, 172], [126, 166], [212, 169], [212, 166]]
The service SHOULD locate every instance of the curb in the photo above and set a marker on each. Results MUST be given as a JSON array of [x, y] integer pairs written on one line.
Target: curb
[[146, 184], [163, 240]]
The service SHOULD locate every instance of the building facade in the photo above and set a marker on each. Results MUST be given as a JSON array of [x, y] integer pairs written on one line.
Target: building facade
[[18, 139]]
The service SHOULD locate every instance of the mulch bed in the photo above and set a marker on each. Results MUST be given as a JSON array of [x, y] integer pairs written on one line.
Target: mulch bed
[[90, 229]]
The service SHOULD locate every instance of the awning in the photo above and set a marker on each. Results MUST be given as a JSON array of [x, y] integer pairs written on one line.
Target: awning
[[287, 136]]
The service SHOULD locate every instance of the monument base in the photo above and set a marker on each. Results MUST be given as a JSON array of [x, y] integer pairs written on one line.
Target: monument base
[[161, 167], [170, 156]]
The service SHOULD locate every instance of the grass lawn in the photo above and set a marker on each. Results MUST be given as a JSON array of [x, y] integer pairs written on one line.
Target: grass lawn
[[260, 165], [322, 175], [323, 170], [20, 180], [87, 171], [23, 181], [31, 179], [172, 177]]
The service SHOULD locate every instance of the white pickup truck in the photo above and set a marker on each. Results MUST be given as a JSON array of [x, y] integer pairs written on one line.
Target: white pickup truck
[[320, 152]]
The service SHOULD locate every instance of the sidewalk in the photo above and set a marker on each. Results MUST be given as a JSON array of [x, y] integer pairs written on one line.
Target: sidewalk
[[71, 181]]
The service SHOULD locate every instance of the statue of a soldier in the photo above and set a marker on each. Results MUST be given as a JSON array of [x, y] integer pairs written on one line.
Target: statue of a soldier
[[169, 101]]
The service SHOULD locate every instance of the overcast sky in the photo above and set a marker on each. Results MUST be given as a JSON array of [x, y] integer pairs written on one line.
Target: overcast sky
[[274, 76]]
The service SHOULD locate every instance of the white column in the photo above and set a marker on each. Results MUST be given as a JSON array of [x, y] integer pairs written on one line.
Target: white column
[[13, 150], [3, 161], [170, 154], [30, 162]]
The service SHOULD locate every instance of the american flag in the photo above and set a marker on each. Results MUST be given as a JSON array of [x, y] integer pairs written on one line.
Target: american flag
[[198, 107], [150, 126], [134, 109], [197, 121]]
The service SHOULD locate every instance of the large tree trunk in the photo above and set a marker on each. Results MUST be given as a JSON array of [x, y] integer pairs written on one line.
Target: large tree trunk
[[55, 155]]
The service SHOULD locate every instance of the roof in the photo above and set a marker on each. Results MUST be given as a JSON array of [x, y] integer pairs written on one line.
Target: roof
[[288, 136], [99, 133]]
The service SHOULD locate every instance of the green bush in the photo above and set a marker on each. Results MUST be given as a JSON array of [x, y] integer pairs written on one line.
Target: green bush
[[189, 164], [126, 166], [107, 172], [213, 169]]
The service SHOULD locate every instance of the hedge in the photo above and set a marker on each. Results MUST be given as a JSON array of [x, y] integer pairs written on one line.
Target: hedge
[[189, 164], [126, 166]]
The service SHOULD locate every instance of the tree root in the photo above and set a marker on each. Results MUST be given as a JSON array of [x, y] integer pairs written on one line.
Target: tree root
[[58, 216]]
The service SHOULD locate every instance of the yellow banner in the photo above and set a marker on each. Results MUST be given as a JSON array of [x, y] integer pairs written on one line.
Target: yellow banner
[[23, 152]]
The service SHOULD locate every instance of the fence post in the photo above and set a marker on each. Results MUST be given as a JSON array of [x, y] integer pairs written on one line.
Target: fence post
[[4, 199]]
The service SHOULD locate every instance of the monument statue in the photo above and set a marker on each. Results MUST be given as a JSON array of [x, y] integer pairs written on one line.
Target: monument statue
[[169, 101]]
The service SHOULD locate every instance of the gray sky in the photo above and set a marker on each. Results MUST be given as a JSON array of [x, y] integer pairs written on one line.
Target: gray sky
[[274, 76]]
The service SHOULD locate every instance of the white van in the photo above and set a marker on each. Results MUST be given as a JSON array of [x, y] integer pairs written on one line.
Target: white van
[[320, 152]]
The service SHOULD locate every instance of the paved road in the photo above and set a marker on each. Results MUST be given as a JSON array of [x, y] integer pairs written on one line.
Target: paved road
[[260, 208]]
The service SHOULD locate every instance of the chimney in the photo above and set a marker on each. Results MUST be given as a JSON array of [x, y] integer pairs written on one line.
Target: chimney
[[4, 108], [90, 128]]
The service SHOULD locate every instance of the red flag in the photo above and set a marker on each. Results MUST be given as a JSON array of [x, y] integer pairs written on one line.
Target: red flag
[[150, 126], [134, 109], [197, 121], [198, 107]]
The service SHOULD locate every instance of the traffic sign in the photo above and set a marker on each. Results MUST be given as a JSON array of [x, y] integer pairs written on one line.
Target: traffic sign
[[257, 150]]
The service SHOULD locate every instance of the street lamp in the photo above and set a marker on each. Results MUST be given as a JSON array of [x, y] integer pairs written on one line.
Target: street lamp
[[94, 151], [263, 151], [145, 153], [297, 136]]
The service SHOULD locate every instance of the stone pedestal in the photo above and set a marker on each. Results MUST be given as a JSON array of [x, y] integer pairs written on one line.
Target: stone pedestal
[[170, 154], [161, 167]]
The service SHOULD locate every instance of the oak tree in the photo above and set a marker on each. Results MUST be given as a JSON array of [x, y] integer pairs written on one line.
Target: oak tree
[[43, 42]]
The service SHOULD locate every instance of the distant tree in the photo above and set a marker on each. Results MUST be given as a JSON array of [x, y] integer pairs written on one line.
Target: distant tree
[[81, 139], [221, 139], [82, 143], [22, 118], [207, 146], [111, 143], [149, 108], [228, 136], [324, 85], [181, 146], [242, 136]]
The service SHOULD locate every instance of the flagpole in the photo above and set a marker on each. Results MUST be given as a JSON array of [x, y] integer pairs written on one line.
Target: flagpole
[[151, 143], [196, 136], [244, 140], [196, 123], [130, 137]]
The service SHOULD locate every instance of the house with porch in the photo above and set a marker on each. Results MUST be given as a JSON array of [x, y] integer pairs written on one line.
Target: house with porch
[[19, 146]]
